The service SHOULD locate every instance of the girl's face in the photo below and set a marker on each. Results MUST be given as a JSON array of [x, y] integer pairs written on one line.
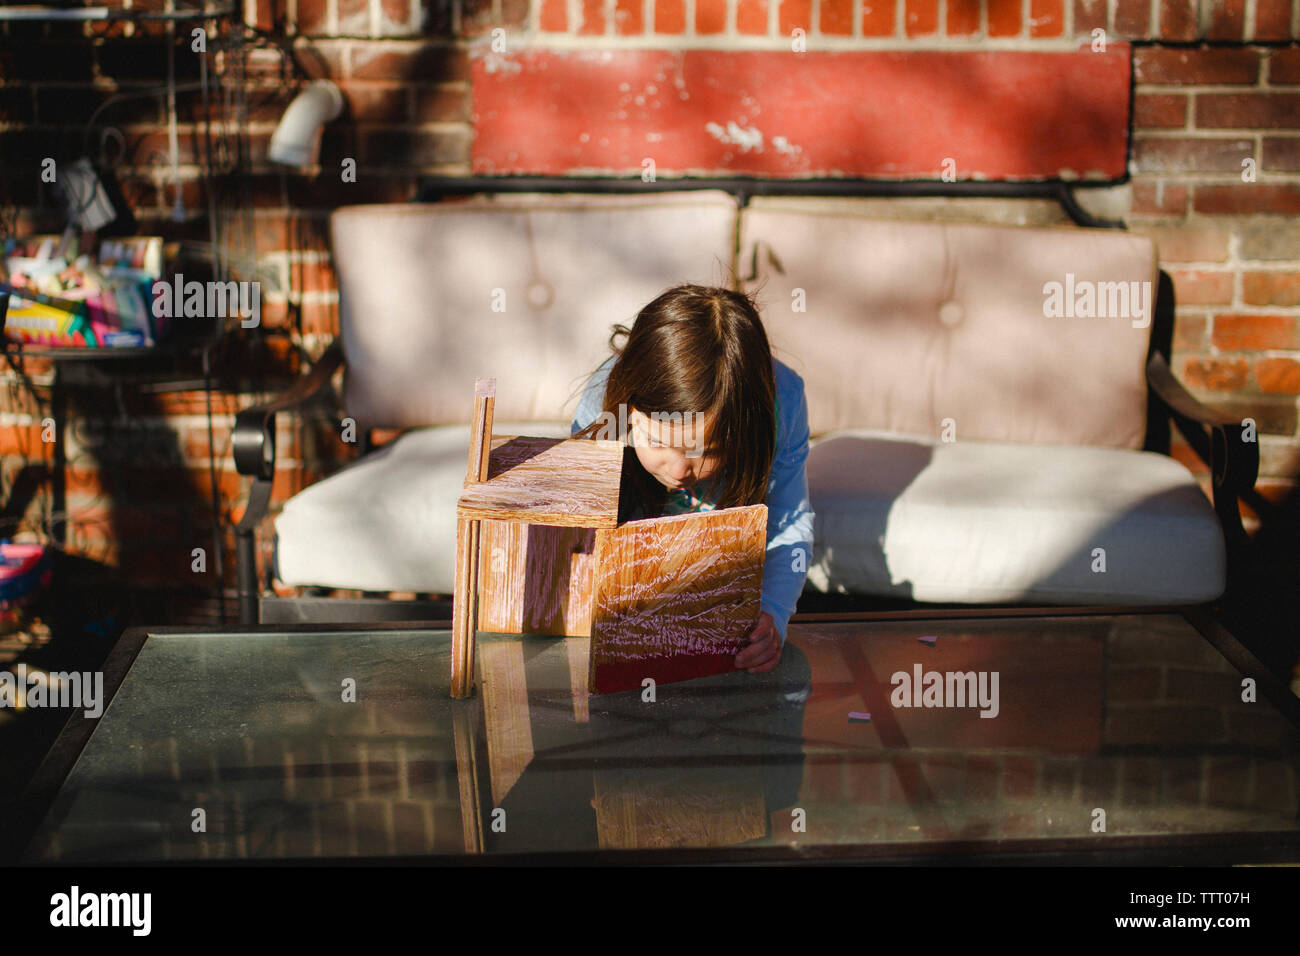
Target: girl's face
[[673, 450]]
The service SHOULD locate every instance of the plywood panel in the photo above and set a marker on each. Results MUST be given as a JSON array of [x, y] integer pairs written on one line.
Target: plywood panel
[[536, 579], [570, 482], [676, 597]]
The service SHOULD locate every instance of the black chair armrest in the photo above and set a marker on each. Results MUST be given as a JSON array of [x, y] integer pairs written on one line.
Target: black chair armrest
[[254, 436], [1232, 458]]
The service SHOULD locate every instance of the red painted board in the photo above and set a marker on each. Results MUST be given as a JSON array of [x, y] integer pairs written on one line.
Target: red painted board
[[1004, 114]]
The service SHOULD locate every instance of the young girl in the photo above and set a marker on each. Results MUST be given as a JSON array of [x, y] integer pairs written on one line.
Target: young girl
[[740, 435]]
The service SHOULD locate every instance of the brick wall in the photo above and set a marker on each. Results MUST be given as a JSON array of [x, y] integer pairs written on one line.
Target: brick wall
[[1214, 83]]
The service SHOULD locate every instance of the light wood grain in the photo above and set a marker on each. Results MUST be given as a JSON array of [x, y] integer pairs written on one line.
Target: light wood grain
[[536, 579], [485, 390], [676, 597], [506, 715], [569, 482], [464, 608]]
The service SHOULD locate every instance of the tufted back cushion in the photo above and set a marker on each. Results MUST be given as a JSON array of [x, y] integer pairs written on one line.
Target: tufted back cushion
[[418, 284], [911, 323]]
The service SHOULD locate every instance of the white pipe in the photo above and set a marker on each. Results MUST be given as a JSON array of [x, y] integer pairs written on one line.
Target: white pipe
[[296, 141]]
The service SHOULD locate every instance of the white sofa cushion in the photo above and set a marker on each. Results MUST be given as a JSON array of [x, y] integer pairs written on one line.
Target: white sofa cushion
[[522, 288], [993, 522], [901, 325], [388, 521]]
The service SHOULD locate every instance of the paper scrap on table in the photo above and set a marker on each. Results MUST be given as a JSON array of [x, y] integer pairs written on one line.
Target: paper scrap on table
[[859, 715], [928, 641]]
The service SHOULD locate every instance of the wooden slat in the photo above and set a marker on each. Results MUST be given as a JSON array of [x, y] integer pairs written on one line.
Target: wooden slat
[[536, 579], [464, 608], [485, 390], [550, 481], [676, 597]]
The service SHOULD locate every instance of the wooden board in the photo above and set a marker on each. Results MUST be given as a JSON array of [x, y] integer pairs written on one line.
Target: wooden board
[[676, 597], [550, 481], [536, 579]]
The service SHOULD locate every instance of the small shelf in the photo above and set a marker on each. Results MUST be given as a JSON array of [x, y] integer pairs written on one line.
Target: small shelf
[[36, 12]]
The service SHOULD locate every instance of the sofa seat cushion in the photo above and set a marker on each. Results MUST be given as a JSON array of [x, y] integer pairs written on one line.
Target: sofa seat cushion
[[994, 522], [388, 521]]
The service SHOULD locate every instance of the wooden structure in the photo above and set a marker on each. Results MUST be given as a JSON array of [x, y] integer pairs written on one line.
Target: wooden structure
[[540, 550]]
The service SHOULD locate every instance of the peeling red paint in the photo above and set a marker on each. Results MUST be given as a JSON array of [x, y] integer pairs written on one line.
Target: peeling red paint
[[997, 115]]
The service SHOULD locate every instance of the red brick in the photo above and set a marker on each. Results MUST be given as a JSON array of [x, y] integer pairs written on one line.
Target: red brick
[[1239, 333], [1189, 243], [1215, 374], [593, 18], [1227, 20], [1189, 332], [313, 17], [877, 18], [396, 12], [442, 104], [376, 102], [1278, 375], [836, 17], [1178, 19], [1212, 65], [963, 17], [1272, 19], [1196, 287], [1089, 15], [1281, 154], [1133, 19], [670, 17], [553, 16], [415, 64], [1247, 199], [751, 17], [1004, 18], [1284, 65], [1159, 110], [514, 14], [1248, 110], [921, 17], [477, 17], [1270, 288], [354, 18], [1188, 155], [1046, 18], [1150, 200], [710, 16]]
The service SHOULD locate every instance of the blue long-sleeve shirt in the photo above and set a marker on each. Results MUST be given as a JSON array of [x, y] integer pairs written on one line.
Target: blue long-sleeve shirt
[[789, 514]]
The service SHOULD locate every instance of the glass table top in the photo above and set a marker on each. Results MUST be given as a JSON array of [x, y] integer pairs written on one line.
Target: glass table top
[[971, 735]]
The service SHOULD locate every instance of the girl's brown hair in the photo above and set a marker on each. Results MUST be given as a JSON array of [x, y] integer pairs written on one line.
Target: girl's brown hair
[[700, 349]]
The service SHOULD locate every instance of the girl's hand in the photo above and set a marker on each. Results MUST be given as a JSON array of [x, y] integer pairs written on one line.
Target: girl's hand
[[764, 651]]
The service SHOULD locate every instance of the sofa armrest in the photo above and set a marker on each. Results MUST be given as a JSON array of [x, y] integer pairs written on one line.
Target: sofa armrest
[[1233, 460], [254, 436]]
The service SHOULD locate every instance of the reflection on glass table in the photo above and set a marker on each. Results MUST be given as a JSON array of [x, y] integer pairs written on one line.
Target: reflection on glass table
[[884, 739]]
